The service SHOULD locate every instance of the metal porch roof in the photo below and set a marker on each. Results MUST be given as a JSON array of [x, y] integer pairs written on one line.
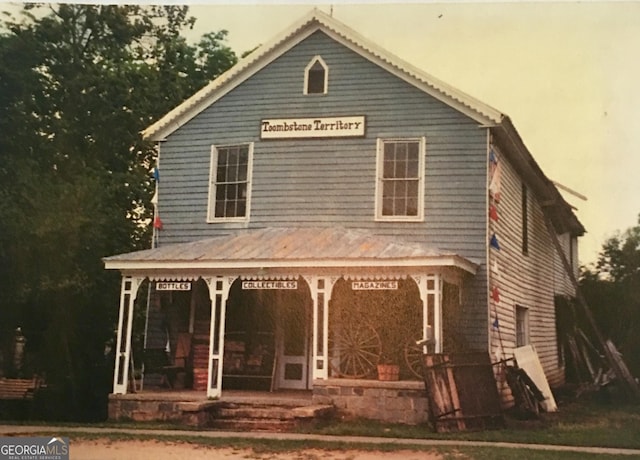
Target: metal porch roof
[[290, 248]]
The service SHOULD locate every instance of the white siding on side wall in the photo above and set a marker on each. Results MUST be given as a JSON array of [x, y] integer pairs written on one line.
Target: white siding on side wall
[[562, 283], [521, 279]]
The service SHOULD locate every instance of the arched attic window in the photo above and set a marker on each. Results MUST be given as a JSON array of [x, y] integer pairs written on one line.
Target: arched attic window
[[316, 77]]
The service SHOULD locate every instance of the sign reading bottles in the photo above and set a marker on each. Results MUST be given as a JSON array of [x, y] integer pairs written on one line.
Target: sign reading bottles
[[172, 286], [248, 285], [320, 127], [374, 285]]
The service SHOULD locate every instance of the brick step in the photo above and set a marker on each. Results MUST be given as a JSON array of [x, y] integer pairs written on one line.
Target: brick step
[[264, 417], [251, 412]]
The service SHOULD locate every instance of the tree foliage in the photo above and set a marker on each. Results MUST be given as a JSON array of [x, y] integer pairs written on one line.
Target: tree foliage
[[78, 83], [612, 290]]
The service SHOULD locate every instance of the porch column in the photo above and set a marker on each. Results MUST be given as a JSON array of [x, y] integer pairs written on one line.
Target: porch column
[[219, 293], [430, 287], [321, 289], [128, 294]]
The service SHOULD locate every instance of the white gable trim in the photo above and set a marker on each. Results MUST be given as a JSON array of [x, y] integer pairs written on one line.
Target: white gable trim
[[301, 30], [314, 60]]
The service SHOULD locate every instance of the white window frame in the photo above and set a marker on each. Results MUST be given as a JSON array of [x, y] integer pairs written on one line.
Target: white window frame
[[379, 179], [307, 69], [521, 314], [211, 216]]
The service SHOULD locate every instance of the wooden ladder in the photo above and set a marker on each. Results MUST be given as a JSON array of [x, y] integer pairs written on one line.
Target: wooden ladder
[[610, 352]]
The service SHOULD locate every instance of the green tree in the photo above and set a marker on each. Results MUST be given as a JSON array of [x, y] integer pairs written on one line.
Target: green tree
[[612, 289], [78, 83]]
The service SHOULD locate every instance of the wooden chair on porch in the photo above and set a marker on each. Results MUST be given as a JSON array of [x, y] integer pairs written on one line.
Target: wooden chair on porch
[[158, 361]]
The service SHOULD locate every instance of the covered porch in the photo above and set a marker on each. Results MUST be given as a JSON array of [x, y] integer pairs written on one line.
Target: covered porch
[[282, 309]]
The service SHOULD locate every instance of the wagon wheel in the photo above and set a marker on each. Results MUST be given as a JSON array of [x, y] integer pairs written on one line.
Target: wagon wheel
[[414, 357], [355, 351]]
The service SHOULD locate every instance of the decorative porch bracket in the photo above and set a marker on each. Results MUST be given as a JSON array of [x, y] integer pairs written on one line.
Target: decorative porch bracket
[[128, 294], [219, 294], [321, 289], [430, 287]]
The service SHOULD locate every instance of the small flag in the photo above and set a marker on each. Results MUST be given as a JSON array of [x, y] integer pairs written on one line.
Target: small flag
[[157, 223], [494, 242], [154, 200], [496, 269], [493, 212], [496, 325], [495, 294], [156, 174], [492, 156], [495, 183]]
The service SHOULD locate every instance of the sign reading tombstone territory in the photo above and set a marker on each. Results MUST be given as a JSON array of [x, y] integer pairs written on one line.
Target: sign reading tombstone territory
[[248, 285], [298, 128], [172, 286], [374, 285]]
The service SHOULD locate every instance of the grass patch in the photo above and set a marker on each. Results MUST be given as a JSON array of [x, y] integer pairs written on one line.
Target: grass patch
[[498, 453], [587, 423]]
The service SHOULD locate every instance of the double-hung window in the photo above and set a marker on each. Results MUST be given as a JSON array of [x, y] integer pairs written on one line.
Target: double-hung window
[[400, 183], [230, 183], [522, 326]]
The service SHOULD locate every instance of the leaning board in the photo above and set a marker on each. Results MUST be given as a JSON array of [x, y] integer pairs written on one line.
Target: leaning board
[[527, 359]]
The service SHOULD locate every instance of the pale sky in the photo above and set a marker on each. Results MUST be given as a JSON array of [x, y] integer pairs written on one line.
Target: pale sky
[[566, 73]]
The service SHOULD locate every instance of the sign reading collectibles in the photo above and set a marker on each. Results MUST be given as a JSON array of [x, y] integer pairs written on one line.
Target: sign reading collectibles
[[299, 128]]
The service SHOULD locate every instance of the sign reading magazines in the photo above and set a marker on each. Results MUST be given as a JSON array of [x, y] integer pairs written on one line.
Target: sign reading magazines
[[374, 285], [298, 128]]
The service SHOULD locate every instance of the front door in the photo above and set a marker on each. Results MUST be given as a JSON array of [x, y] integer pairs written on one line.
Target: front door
[[292, 347]]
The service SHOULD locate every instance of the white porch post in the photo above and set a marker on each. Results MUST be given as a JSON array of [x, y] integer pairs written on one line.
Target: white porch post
[[128, 294], [437, 313], [430, 287], [219, 293], [321, 289]]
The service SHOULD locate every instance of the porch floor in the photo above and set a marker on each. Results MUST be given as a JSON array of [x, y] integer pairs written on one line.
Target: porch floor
[[274, 398]]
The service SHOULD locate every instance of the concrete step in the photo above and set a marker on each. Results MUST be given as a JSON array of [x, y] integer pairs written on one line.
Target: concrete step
[[260, 417], [250, 412], [252, 425]]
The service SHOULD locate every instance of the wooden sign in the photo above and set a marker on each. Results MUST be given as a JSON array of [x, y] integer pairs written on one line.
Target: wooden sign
[[374, 285], [173, 286], [320, 127], [269, 285]]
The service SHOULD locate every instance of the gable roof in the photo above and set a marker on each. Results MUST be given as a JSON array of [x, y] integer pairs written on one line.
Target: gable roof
[[561, 212], [315, 21], [291, 247]]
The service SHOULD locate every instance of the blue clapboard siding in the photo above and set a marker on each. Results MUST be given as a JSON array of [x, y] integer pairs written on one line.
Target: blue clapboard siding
[[310, 182]]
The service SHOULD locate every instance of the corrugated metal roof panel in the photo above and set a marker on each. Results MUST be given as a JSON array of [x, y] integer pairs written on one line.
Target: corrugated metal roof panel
[[286, 244]]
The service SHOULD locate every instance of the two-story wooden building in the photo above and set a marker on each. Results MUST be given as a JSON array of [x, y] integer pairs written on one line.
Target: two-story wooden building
[[323, 205]]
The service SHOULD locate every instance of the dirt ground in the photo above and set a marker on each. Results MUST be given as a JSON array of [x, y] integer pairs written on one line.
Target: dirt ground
[[155, 450]]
